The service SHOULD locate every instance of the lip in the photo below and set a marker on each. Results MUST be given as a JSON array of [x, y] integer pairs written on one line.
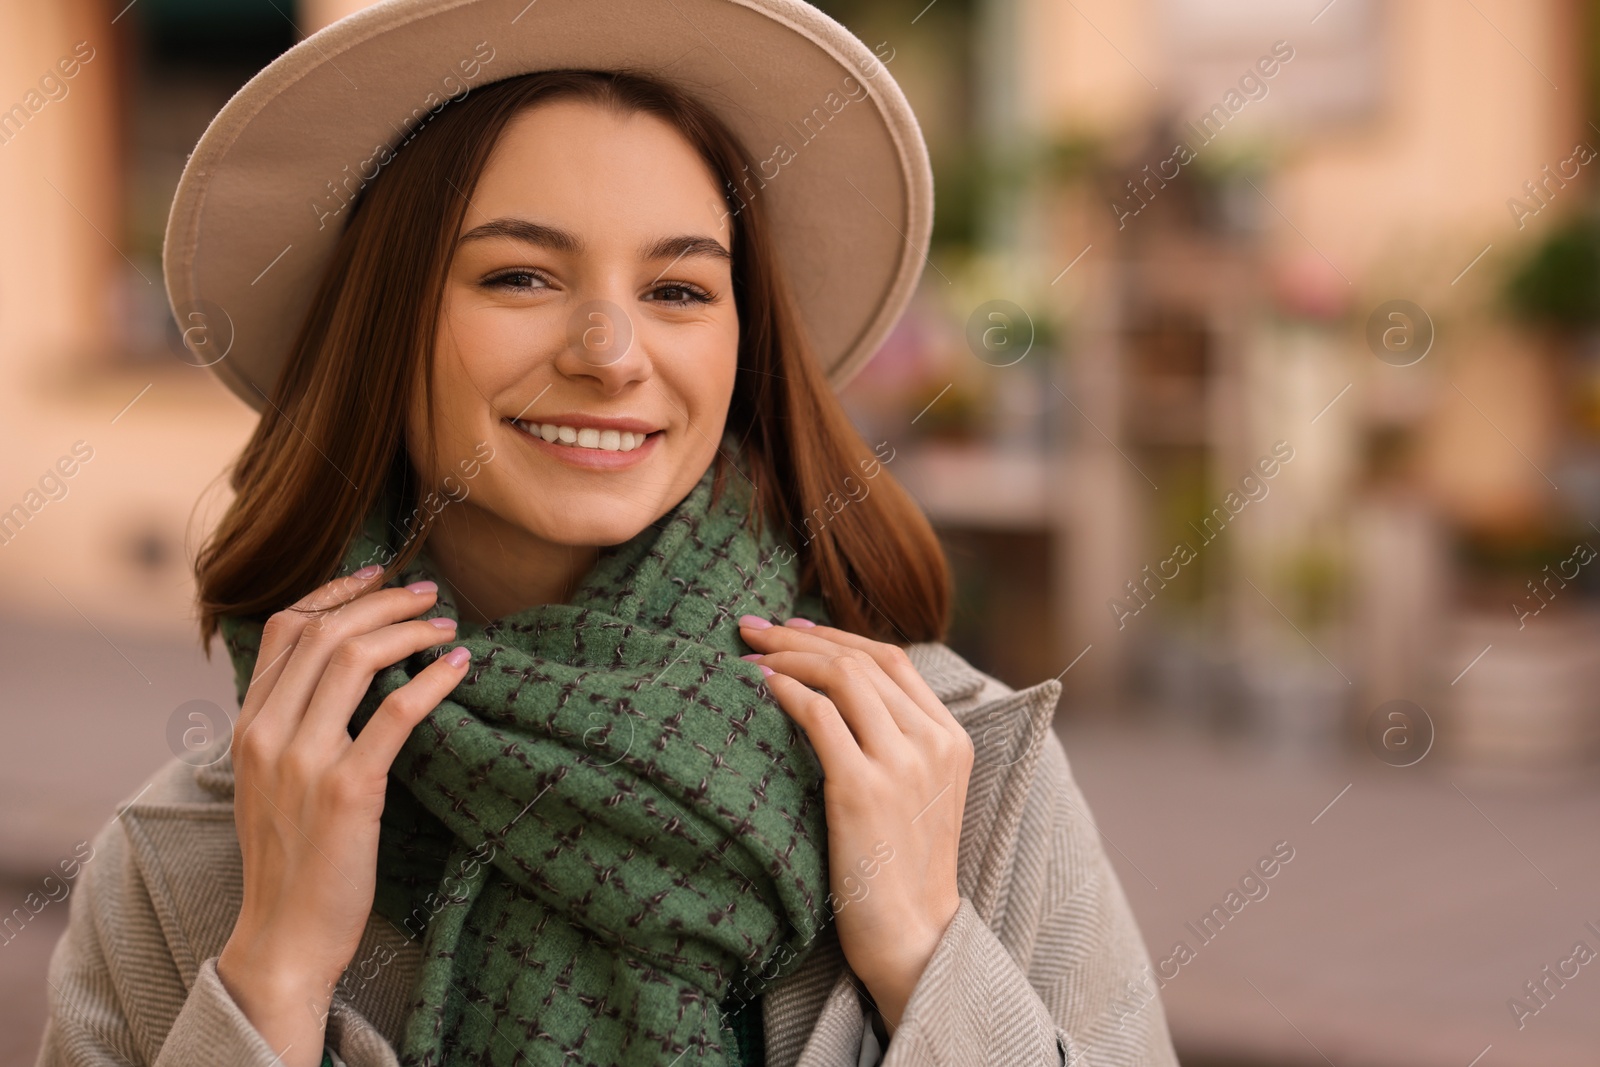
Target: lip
[[594, 459]]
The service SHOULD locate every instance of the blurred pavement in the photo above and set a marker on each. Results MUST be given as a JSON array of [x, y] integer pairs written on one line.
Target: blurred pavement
[[85, 715], [1414, 908]]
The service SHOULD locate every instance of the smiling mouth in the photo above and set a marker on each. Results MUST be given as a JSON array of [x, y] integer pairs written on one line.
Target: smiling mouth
[[585, 437]]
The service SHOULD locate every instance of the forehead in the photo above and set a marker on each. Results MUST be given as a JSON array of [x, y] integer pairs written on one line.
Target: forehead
[[600, 171]]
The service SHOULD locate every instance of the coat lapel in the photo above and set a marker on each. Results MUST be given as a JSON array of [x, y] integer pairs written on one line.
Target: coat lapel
[[1008, 735], [187, 851], [188, 855]]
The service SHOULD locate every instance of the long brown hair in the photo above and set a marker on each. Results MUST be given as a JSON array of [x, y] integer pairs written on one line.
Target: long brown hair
[[328, 443]]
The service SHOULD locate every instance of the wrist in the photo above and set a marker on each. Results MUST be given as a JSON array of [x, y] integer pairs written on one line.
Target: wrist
[[892, 985], [270, 988]]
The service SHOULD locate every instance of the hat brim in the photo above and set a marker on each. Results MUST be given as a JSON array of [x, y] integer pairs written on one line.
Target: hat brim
[[845, 176]]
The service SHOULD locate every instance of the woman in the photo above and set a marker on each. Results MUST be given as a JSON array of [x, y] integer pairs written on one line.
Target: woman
[[508, 788]]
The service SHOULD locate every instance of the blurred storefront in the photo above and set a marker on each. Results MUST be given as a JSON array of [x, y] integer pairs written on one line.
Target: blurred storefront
[[1198, 212]]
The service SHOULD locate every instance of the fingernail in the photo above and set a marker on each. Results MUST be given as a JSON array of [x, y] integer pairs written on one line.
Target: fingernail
[[765, 670], [423, 587], [753, 655], [458, 656], [754, 622], [368, 571], [443, 623], [798, 621]]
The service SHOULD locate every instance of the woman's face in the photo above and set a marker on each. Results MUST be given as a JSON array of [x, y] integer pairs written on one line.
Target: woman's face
[[588, 308]]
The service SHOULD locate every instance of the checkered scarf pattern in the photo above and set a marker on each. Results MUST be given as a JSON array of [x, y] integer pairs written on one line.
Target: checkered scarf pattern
[[609, 830]]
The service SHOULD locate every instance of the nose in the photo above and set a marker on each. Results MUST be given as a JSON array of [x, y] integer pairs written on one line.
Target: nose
[[602, 344]]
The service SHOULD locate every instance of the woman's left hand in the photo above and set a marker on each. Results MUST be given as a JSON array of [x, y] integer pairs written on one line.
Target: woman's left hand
[[897, 765]]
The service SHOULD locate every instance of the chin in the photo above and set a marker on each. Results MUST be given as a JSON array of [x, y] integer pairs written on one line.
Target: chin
[[586, 522]]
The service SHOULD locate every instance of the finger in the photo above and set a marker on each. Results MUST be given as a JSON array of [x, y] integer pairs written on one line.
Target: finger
[[892, 658], [836, 747], [911, 720], [847, 682], [282, 632], [323, 634], [381, 738], [351, 668]]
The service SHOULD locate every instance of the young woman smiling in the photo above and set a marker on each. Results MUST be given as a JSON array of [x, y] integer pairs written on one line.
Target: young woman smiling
[[506, 785]]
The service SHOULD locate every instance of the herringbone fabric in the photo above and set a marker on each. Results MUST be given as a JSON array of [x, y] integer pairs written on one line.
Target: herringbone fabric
[[609, 826]]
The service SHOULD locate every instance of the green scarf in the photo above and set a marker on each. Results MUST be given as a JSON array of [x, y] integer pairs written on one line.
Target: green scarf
[[609, 833]]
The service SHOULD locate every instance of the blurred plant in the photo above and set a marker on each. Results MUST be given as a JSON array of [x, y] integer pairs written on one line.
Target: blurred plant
[[1313, 576], [970, 181], [1229, 186], [1518, 555], [963, 185], [1558, 284], [1069, 155], [956, 416], [980, 277]]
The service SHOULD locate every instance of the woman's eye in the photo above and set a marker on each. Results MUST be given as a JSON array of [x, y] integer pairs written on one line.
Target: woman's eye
[[514, 279], [682, 293]]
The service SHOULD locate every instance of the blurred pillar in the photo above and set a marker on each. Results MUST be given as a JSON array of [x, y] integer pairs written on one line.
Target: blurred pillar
[[1001, 125], [107, 446], [61, 272], [57, 148], [1098, 500]]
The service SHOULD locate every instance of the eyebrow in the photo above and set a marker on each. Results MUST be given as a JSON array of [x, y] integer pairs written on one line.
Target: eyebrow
[[675, 247]]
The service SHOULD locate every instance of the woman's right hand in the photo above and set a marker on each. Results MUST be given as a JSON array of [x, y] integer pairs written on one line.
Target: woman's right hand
[[307, 797]]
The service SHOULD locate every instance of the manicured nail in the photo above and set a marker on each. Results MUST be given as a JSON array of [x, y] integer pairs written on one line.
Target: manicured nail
[[368, 571], [443, 623], [753, 655], [458, 656], [754, 622], [798, 621], [423, 587], [765, 670]]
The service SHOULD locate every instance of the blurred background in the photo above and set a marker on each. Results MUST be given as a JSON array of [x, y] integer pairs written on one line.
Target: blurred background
[[1253, 386]]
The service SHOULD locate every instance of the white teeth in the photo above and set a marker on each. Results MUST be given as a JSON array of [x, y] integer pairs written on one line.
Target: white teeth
[[587, 437]]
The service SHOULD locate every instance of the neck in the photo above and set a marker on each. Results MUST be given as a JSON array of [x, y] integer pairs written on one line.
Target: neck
[[497, 568]]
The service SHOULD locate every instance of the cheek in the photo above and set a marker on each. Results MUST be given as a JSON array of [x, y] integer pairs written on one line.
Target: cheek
[[482, 357], [477, 348], [472, 368], [700, 375], [712, 384], [698, 365]]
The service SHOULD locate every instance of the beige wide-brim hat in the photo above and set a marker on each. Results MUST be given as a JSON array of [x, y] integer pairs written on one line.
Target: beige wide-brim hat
[[846, 181]]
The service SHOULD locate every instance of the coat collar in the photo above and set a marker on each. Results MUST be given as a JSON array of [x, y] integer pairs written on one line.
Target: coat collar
[[184, 842]]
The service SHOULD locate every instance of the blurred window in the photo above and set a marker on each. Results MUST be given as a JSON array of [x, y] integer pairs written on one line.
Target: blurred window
[[183, 59], [1334, 77]]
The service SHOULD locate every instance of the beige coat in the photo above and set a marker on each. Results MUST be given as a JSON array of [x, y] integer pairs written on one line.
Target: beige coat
[[1042, 964]]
